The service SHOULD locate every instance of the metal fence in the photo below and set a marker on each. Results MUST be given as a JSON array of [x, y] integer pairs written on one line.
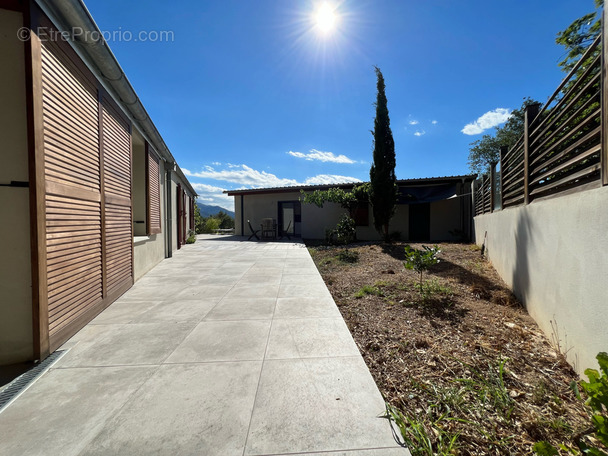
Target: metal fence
[[561, 149]]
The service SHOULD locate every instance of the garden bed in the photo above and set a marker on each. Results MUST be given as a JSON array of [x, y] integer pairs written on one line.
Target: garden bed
[[462, 363]]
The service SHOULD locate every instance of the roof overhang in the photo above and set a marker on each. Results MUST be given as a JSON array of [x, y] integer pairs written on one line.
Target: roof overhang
[[418, 182]]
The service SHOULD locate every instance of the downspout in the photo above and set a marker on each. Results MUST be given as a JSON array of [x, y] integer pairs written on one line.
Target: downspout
[[169, 218]]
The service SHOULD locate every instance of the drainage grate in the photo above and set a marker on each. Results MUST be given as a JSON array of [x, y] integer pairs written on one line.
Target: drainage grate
[[25, 380]]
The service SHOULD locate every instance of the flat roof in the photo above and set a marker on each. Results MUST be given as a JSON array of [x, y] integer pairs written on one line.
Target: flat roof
[[347, 185]]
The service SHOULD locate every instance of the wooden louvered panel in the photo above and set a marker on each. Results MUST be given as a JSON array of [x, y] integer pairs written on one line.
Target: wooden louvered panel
[[54, 67], [116, 156], [153, 191], [119, 243], [70, 118], [72, 202], [118, 234], [73, 268]]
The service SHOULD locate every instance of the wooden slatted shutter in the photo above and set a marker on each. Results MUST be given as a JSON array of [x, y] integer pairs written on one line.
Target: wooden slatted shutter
[[72, 196], [153, 191], [180, 209], [192, 213], [118, 233], [184, 221]]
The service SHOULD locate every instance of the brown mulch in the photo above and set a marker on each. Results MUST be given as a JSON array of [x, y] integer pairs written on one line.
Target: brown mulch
[[438, 359]]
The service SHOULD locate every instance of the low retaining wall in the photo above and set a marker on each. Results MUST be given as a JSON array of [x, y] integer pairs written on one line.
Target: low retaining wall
[[553, 254]]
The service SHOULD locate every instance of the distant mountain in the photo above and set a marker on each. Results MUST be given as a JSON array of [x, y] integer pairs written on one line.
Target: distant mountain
[[207, 210]]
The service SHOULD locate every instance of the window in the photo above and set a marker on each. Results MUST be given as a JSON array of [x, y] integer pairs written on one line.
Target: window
[[146, 188]]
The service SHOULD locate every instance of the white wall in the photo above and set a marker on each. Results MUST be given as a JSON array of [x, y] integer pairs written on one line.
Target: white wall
[[554, 255], [150, 251], [16, 333], [445, 217]]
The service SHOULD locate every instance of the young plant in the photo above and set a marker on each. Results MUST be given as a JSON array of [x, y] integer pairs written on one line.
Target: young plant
[[191, 237], [348, 256], [346, 230], [597, 393], [421, 260]]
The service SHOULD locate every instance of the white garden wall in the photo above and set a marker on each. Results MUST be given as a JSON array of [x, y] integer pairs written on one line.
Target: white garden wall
[[554, 255]]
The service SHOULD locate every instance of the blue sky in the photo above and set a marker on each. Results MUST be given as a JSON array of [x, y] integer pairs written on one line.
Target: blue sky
[[254, 94]]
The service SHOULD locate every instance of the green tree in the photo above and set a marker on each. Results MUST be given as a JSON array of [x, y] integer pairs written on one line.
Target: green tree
[[577, 37], [383, 187], [210, 224], [345, 230], [198, 219], [225, 221], [349, 200], [485, 151]]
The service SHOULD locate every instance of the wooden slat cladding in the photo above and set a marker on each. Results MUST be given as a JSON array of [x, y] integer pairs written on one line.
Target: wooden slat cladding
[[118, 235], [153, 191], [116, 155], [72, 200], [70, 126], [119, 262], [73, 256]]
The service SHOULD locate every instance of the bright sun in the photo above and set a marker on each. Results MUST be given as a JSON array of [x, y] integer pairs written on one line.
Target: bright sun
[[326, 18]]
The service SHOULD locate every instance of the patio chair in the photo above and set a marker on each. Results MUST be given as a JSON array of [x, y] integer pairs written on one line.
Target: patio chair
[[286, 232], [269, 228], [254, 233]]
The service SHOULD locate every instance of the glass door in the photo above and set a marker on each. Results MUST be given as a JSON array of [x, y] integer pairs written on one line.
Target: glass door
[[290, 218]]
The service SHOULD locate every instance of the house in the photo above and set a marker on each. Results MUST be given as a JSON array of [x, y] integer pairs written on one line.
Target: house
[[90, 196], [429, 209]]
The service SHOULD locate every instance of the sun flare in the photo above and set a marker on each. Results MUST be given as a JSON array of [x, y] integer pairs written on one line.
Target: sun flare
[[326, 18]]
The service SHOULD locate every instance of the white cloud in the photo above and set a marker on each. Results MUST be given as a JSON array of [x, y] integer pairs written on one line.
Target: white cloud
[[420, 133], [247, 177], [489, 120], [209, 194], [315, 154], [413, 122], [325, 179], [434, 122], [242, 175]]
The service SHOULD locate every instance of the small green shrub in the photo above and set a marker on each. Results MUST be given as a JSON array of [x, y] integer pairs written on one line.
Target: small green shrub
[[344, 233], [369, 290], [348, 256], [434, 287], [346, 229], [597, 392], [421, 260], [191, 237], [211, 224]]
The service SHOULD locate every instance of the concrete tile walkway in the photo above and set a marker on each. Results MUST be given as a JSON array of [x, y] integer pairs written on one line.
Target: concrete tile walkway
[[228, 348]]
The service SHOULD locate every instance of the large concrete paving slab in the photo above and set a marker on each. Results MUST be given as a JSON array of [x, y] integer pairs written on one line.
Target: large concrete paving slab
[[228, 348]]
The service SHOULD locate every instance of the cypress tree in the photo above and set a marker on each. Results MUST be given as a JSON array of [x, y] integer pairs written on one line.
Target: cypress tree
[[383, 191]]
